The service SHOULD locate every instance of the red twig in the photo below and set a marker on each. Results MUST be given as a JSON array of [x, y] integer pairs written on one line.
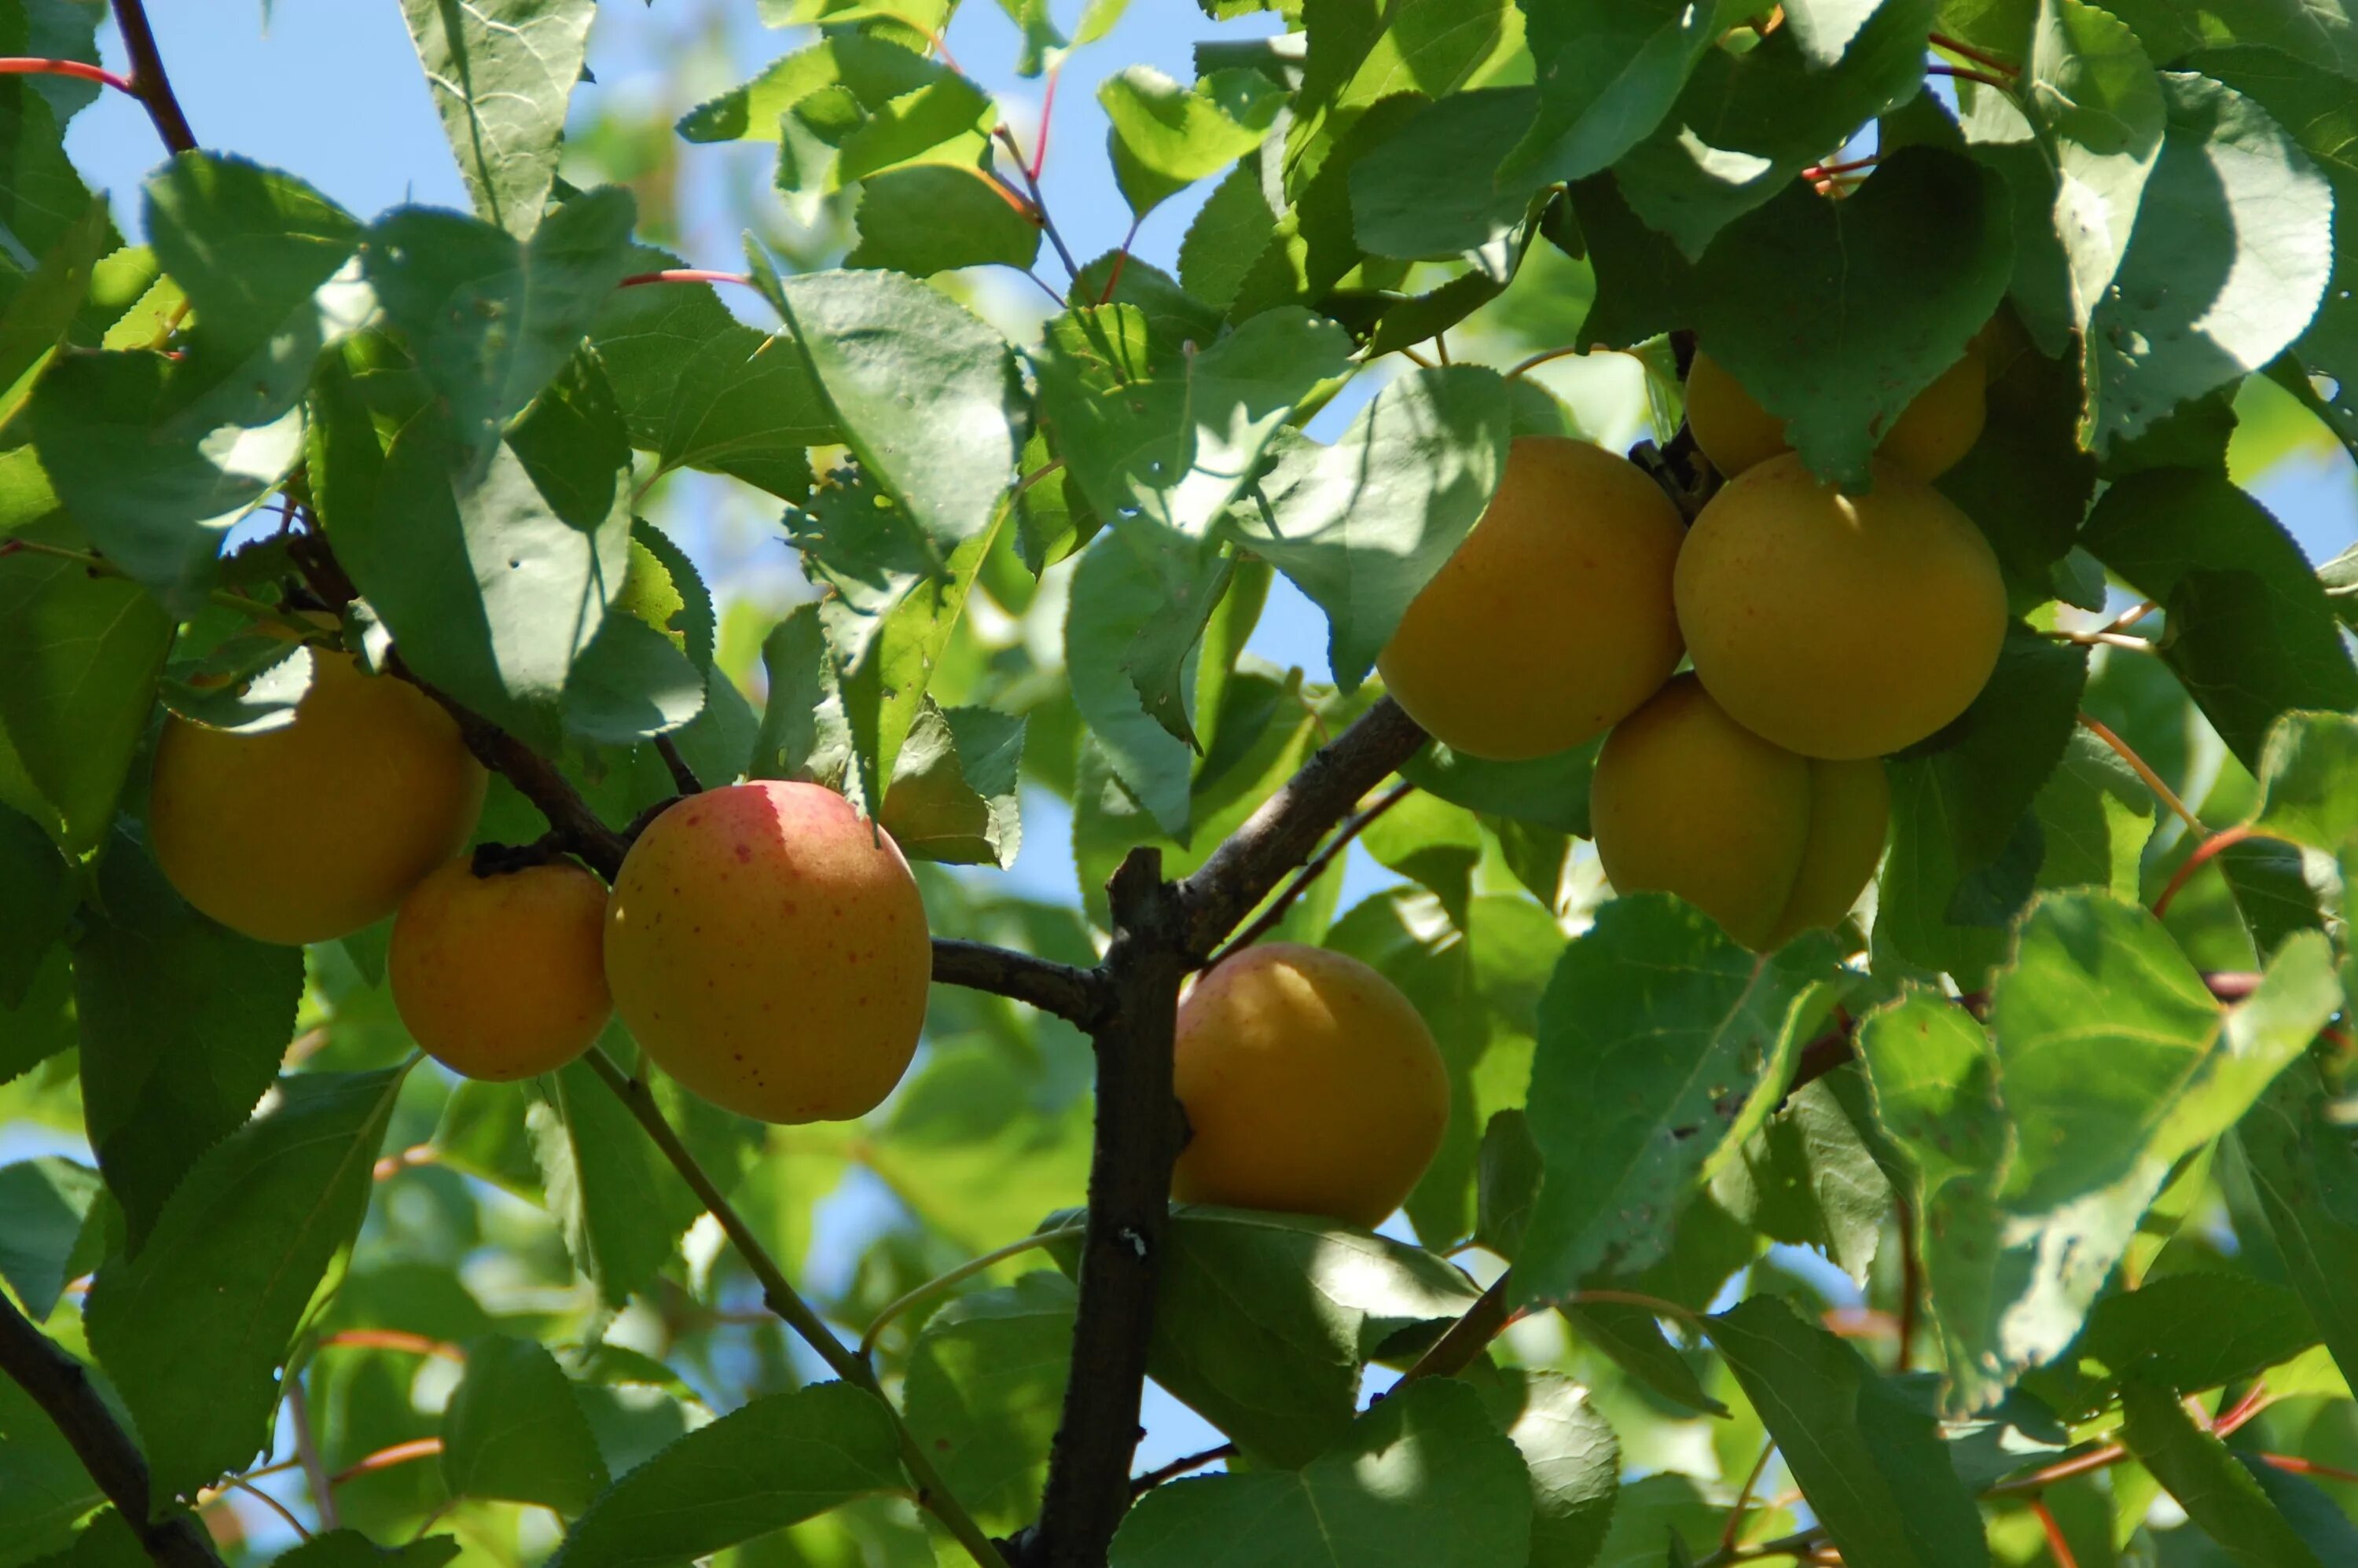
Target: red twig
[[1120, 259], [1828, 170], [1967, 51], [1048, 112], [2056, 1544], [386, 1458], [25, 65], [2225, 838], [2299, 1467], [391, 1339], [686, 275]]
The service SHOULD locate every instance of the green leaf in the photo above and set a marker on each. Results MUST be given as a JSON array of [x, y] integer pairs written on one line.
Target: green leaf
[[2217, 1493], [2251, 633], [1573, 1458], [930, 218], [617, 1203], [782, 1458], [985, 1392], [502, 72], [1428, 192], [1811, 1179], [1162, 137], [953, 796], [1546, 791], [351, 1549], [492, 318], [1421, 1477], [147, 468], [1633, 1338], [2309, 780], [2183, 1333], [701, 389], [924, 394], [2078, 144], [2231, 253], [1658, 1510], [1229, 232], [2304, 1171], [514, 1430], [182, 1025], [1116, 595], [1607, 71], [82, 654], [1865, 1452], [1835, 314], [44, 1204], [871, 71], [803, 733], [44, 195], [41, 1025], [233, 1263], [44, 1489], [256, 253], [1263, 1321], [1745, 126], [493, 583], [979, 1145], [36, 319], [2025, 482], [1171, 437], [1362, 525], [1654, 1031]]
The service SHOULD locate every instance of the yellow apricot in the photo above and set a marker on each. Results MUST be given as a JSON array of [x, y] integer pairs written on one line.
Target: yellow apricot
[[1839, 626], [1311, 1086], [313, 831], [1939, 426], [1768, 843], [767, 945], [1552, 618], [501, 976]]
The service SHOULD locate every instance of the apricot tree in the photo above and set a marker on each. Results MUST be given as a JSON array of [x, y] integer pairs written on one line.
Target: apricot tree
[[1811, 1026]]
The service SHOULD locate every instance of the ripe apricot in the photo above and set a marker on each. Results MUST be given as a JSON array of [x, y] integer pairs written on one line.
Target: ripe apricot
[[1839, 626], [1552, 618], [313, 831], [1310, 1084], [1939, 426], [767, 945], [1768, 843], [501, 976]]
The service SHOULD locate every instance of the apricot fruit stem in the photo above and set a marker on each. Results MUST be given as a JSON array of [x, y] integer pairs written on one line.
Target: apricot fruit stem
[[781, 1298], [964, 1271], [683, 777], [2143, 770]]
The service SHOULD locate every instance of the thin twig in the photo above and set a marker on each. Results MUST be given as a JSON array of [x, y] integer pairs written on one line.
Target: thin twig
[[2299, 1467], [1269, 917], [2138, 765], [23, 65], [1039, 204], [148, 80], [1980, 57], [1964, 74], [281, 1509], [1525, 366], [98, 565], [307, 1453], [686, 275], [1733, 1527], [391, 1339], [2057, 1547], [1911, 1285], [783, 1299], [386, 1458], [1142, 1485], [964, 1271]]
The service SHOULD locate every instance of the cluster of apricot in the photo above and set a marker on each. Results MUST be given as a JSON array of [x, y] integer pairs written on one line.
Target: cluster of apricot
[[1825, 630], [764, 944]]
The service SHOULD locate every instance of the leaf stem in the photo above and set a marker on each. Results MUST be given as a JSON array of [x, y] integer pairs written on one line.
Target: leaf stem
[[25, 65], [964, 1271], [307, 1452], [683, 777], [2225, 838], [1978, 56], [1523, 367], [1142, 1485], [2056, 1546], [1965, 73], [1736, 1516], [386, 1458], [686, 275], [1039, 204], [788, 1304], [273, 1504], [2143, 770]]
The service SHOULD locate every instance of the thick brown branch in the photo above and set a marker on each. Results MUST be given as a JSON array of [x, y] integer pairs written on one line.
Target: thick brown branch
[[538, 781], [1138, 1136], [1287, 828], [149, 82], [1080, 995], [57, 1383]]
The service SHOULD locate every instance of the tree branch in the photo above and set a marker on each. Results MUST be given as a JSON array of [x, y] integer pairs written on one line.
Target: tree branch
[[149, 82], [1138, 1136], [60, 1385], [1287, 828], [1080, 995], [1269, 917]]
